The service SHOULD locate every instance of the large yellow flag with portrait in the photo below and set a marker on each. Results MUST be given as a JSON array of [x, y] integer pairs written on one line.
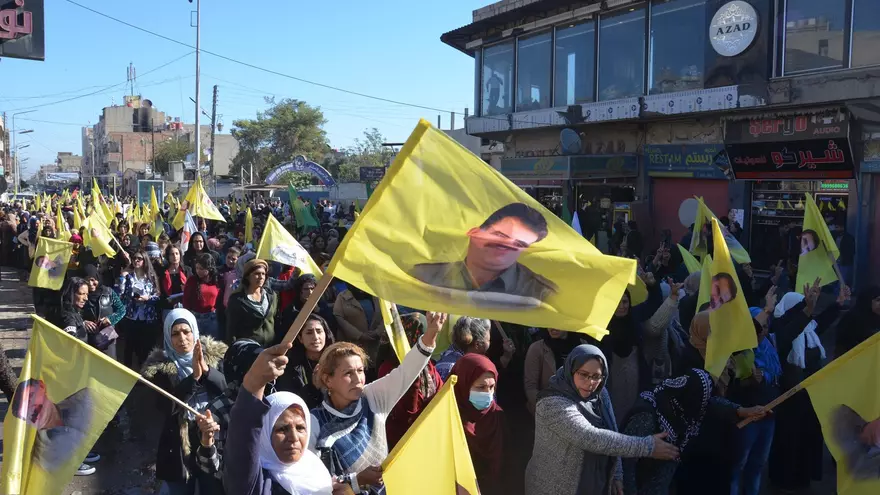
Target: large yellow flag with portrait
[[445, 231], [730, 323], [846, 397], [437, 436], [199, 204], [50, 263], [277, 244], [703, 232], [818, 249], [67, 393]]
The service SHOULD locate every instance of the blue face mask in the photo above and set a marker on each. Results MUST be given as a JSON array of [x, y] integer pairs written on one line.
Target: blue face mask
[[481, 400]]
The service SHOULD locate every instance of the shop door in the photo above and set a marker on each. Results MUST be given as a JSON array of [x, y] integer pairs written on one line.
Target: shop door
[[668, 194]]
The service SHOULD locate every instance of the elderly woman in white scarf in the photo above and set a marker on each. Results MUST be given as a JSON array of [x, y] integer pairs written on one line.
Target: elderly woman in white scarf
[[185, 366], [796, 455], [267, 442]]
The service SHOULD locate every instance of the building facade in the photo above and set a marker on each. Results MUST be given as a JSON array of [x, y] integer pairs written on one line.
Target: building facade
[[628, 109]]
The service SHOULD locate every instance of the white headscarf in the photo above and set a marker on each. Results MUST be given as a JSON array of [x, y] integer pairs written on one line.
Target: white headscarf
[[308, 476], [806, 339], [183, 361]]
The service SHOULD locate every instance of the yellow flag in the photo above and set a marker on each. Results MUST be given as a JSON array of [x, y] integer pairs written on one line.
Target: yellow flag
[[703, 232], [199, 204], [97, 236], [471, 242], [50, 263], [437, 435], [38, 203], [233, 209], [846, 398], [277, 244], [705, 282], [154, 202], [729, 318], [67, 393], [158, 226], [638, 291], [61, 225], [817, 249], [693, 266], [248, 226], [77, 219], [396, 336], [107, 212]]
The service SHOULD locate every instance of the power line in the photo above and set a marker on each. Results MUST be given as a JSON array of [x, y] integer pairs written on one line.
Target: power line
[[252, 66]]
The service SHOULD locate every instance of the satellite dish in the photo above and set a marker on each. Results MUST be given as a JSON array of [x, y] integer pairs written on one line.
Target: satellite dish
[[687, 211], [570, 142], [147, 104]]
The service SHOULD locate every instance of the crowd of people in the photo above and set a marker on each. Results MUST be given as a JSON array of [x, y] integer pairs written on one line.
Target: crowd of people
[[544, 411]]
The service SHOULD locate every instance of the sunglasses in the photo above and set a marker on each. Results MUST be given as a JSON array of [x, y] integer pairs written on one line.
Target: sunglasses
[[139, 259]]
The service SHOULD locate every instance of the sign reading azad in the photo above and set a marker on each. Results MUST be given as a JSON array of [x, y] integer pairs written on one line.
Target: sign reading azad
[[22, 33], [733, 28]]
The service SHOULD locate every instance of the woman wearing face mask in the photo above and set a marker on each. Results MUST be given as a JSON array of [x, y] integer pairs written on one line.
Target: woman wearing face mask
[[360, 410], [577, 446], [314, 337], [543, 359], [482, 418], [267, 445], [200, 295], [186, 366]]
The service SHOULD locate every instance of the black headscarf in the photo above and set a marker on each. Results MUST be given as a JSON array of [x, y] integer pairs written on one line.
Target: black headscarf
[[562, 347], [623, 334], [860, 323], [680, 405], [238, 360]]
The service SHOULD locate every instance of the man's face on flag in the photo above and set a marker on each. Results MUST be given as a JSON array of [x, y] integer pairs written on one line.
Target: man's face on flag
[[34, 405], [499, 245]]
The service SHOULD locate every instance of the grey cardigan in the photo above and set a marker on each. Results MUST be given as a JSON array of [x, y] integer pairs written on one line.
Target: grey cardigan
[[563, 437]]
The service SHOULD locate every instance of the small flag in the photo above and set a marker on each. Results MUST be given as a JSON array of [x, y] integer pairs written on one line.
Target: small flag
[[50, 263], [189, 228], [276, 244], [199, 204], [61, 226], [817, 249], [393, 328]]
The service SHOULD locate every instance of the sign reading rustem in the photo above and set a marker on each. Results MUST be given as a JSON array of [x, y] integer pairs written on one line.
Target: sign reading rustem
[[684, 160], [733, 28]]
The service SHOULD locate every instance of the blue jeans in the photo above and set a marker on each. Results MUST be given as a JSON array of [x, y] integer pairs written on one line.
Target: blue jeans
[[753, 449], [208, 325]]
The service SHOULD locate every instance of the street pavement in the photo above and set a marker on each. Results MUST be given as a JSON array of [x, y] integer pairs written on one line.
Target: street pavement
[[128, 448]]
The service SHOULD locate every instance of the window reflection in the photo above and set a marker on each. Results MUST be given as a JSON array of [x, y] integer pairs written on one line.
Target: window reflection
[[677, 57], [575, 59], [533, 66], [866, 33], [497, 79], [814, 34], [622, 55]]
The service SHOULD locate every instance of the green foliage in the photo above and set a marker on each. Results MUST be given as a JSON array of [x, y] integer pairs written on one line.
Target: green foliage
[[300, 180], [366, 152], [287, 129], [173, 150]]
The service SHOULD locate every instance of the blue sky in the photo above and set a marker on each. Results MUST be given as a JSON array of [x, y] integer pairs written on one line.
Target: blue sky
[[389, 49]]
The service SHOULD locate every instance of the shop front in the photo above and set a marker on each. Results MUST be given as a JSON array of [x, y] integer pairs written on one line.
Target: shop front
[[678, 172], [542, 178], [605, 190], [785, 157]]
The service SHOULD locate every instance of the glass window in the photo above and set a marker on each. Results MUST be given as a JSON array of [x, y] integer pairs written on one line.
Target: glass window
[[622, 55], [866, 33], [497, 82], [814, 34], [575, 59], [533, 72], [677, 55]]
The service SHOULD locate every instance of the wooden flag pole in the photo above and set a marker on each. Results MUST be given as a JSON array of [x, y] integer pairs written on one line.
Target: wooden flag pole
[[779, 400], [168, 395], [307, 308], [500, 329]]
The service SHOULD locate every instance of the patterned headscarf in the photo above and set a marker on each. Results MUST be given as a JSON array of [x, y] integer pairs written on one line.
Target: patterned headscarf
[[414, 325], [680, 404]]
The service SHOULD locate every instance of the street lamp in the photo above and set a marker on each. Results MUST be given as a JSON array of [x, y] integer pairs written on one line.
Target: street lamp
[[16, 170]]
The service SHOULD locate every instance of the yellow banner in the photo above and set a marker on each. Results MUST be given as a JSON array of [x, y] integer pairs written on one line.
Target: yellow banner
[[248, 226], [276, 244], [199, 204], [692, 264], [66, 394], [50, 263], [437, 435], [729, 318], [817, 249], [703, 232], [444, 231]]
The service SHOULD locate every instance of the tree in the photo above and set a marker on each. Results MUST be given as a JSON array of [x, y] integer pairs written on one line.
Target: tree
[[173, 150], [369, 152], [287, 129]]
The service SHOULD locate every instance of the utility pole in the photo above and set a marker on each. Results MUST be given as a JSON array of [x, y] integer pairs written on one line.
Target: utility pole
[[198, 81], [213, 131]]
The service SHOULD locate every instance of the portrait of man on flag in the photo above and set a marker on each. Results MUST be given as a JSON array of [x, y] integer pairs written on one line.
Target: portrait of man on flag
[[724, 290], [61, 428], [809, 241], [491, 261], [859, 441]]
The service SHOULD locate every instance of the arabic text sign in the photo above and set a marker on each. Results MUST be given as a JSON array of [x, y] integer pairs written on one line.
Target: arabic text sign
[[825, 125], [677, 160], [813, 159], [22, 33]]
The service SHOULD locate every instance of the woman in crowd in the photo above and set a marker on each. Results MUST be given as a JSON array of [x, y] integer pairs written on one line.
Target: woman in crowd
[[173, 277], [420, 393], [267, 445], [676, 407], [313, 338], [293, 300], [358, 319], [185, 366], [469, 335], [318, 251], [200, 295], [103, 311], [139, 290], [44, 299], [482, 418], [796, 454], [577, 447], [360, 409], [861, 322], [250, 311], [543, 359], [198, 244]]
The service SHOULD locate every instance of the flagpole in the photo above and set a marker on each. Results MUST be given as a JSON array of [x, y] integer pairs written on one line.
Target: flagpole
[[168, 395], [307, 308]]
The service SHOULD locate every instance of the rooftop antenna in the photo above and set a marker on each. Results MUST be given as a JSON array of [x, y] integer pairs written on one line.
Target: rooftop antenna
[[131, 77]]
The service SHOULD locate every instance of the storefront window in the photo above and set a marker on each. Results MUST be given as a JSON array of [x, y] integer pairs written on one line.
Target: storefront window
[[533, 72], [814, 36], [677, 57], [866, 33], [497, 81], [622, 55], [575, 59]]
